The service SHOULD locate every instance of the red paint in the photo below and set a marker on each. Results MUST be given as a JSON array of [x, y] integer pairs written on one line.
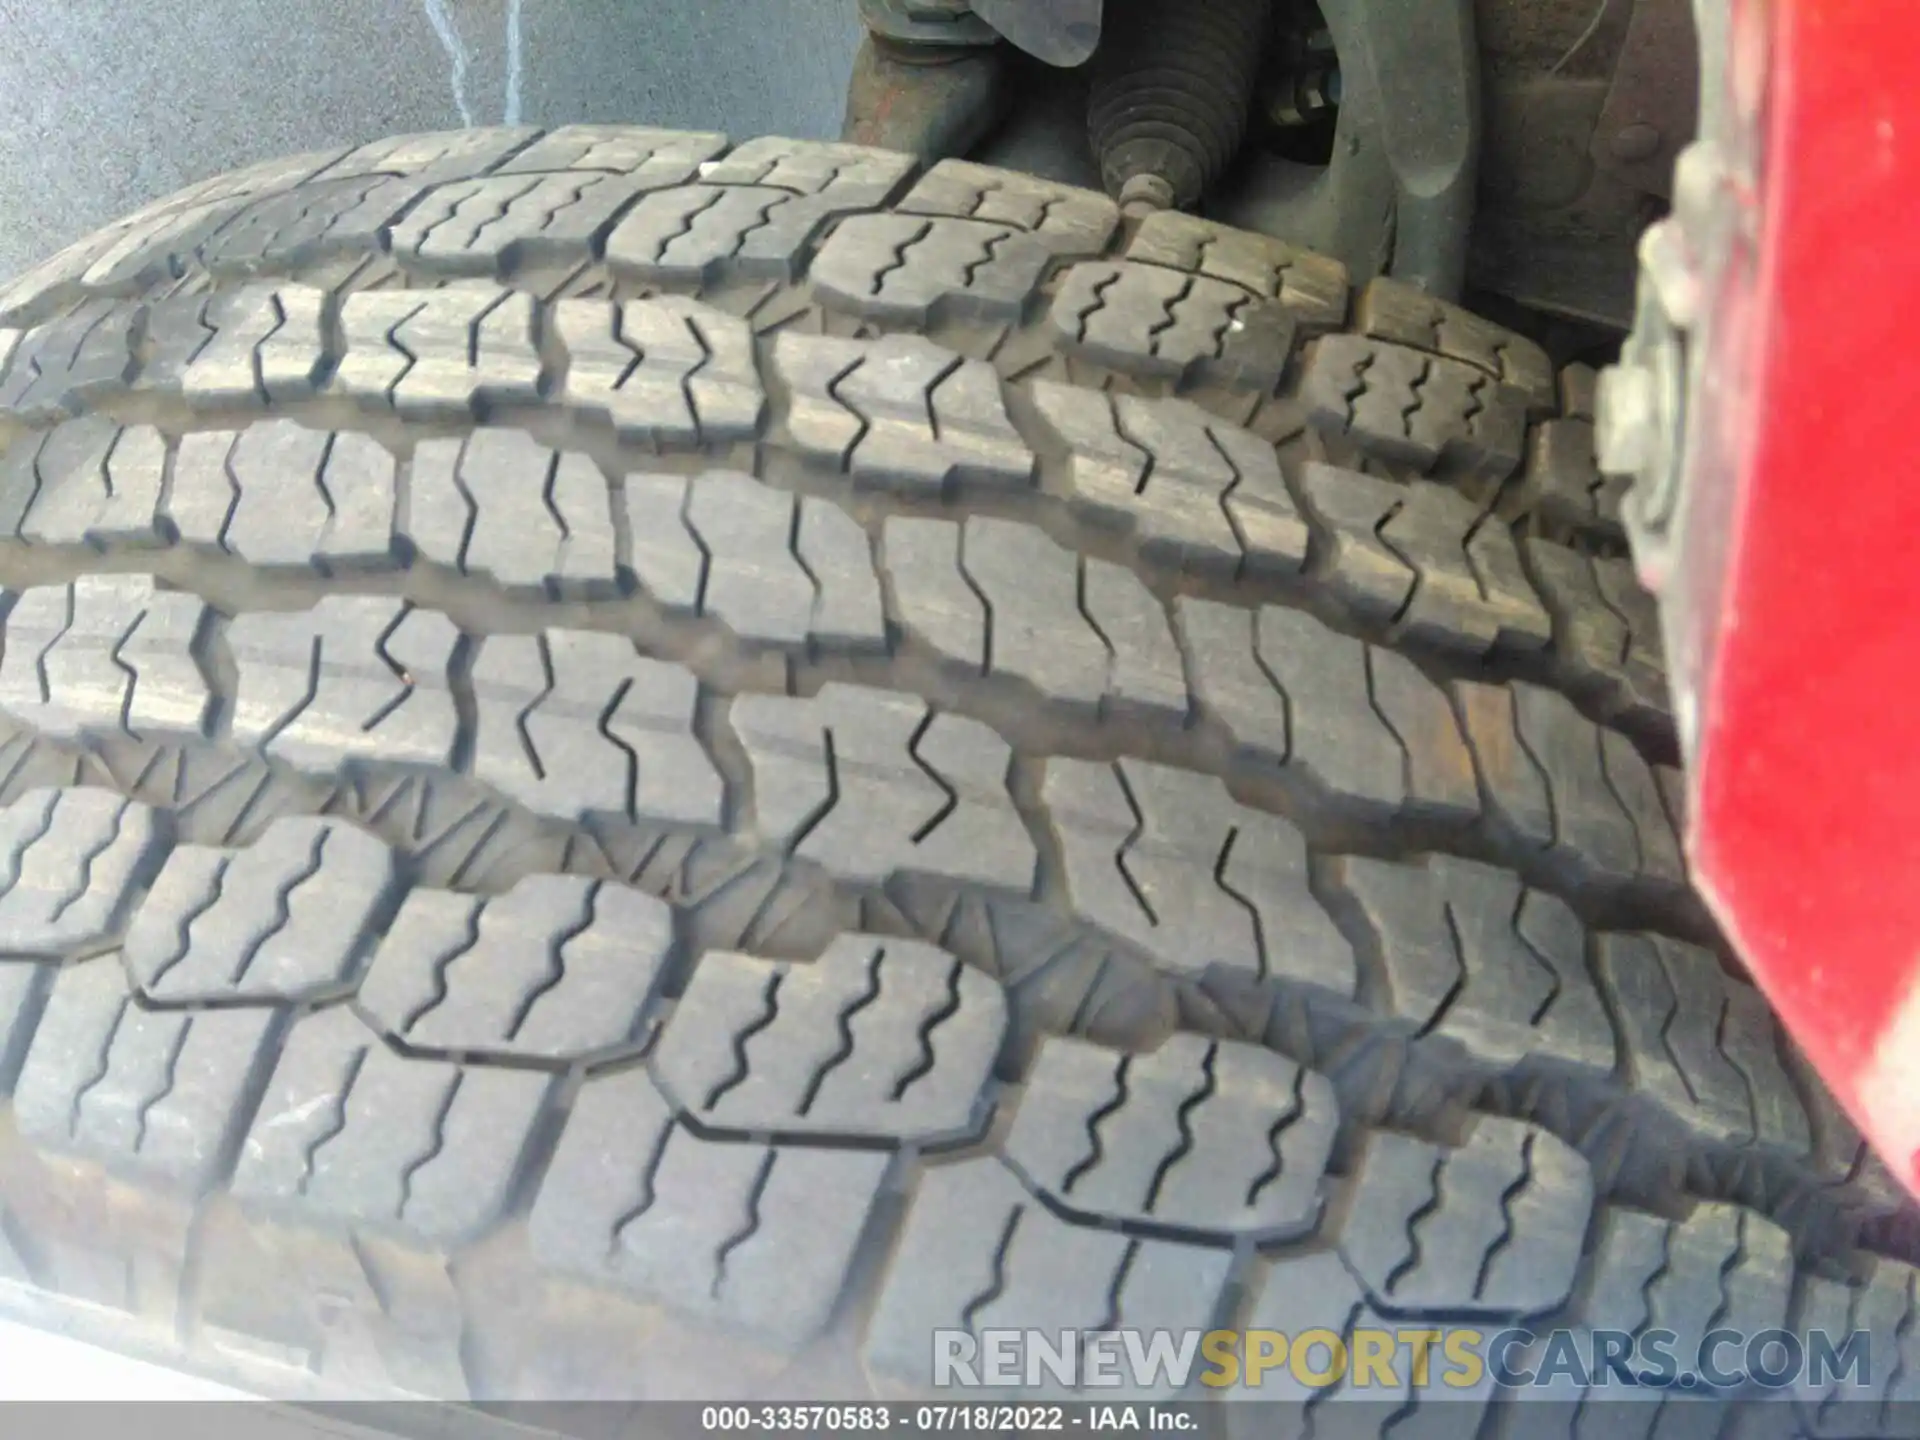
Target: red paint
[[1806, 821]]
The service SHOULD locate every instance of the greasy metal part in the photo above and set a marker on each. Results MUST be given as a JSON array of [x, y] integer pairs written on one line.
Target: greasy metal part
[[1653, 104], [1296, 100], [1062, 33], [1397, 195], [1172, 88], [1425, 62], [1552, 230], [927, 22], [933, 102], [1046, 134], [1343, 209], [1644, 400]]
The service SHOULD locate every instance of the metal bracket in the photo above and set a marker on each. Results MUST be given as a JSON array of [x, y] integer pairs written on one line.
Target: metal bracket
[[1062, 33], [1398, 193], [1653, 105], [926, 22]]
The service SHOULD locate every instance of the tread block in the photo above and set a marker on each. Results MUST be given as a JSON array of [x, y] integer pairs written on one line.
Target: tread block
[[1068, 221], [301, 500], [1606, 634], [769, 565], [350, 1132], [757, 1238], [350, 204], [651, 157], [433, 156], [501, 506], [447, 354], [179, 327], [1721, 1269], [1298, 1294], [900, 413], [575, 723], [1198, 493], [289, 917], [1312, 1298], [871, 784], [149, 245], [1166, 860], [73, 861], [1473, 956], [812, 167], [199, 505], [157, 1095], [496, 223], [107, 655], [663, 556], [1002, 598], [1425, 560], [1151, 321], [1312, 287], [1493, 1227], [1579, 793], [1363, 724], [1562, 483], [58, 367], [1841, 1155], [908, 269], [1146, 672], [755, 212], [1406, 315], [23, 988], [22, 297], [1207, 1135], [1412, 408], [1879, 1301], [267, 347], [980, 1253], [323, 217], [667, 371], [702, 234], [879, 1038], [340, 1306], [558, 968], [1704, 1045], [86, 482], [1578, 387], [355, 678], [933, 599]]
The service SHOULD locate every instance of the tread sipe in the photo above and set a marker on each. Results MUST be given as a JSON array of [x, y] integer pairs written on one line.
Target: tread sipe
[[631, 766]]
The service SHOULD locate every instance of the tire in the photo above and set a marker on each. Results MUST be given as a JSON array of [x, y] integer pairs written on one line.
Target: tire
[[635, 767]]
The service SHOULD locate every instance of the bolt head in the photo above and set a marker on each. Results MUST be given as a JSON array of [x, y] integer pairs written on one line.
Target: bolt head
[[1635, 142], [1625, 419]]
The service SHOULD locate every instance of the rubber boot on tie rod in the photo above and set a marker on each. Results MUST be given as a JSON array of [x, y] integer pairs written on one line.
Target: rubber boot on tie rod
[[1172, 88]]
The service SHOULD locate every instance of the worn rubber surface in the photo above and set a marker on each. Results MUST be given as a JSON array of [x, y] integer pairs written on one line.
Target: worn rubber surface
[[639, 767]]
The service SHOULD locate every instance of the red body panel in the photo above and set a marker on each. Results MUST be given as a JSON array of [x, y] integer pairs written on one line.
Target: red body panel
[[1806, 815]]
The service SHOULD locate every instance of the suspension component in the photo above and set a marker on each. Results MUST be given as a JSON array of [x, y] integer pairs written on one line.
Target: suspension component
[[1172, 88]]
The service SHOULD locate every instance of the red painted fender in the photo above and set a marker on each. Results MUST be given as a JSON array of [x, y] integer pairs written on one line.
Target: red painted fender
[[1803, 630]]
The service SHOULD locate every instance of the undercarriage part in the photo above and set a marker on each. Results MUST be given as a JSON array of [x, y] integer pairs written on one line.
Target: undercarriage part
[[1172, 88], [1648, 405], [1652, 105], [929, 80], [929, 101], [1062, 33], [926, 22], [1397, 195]]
